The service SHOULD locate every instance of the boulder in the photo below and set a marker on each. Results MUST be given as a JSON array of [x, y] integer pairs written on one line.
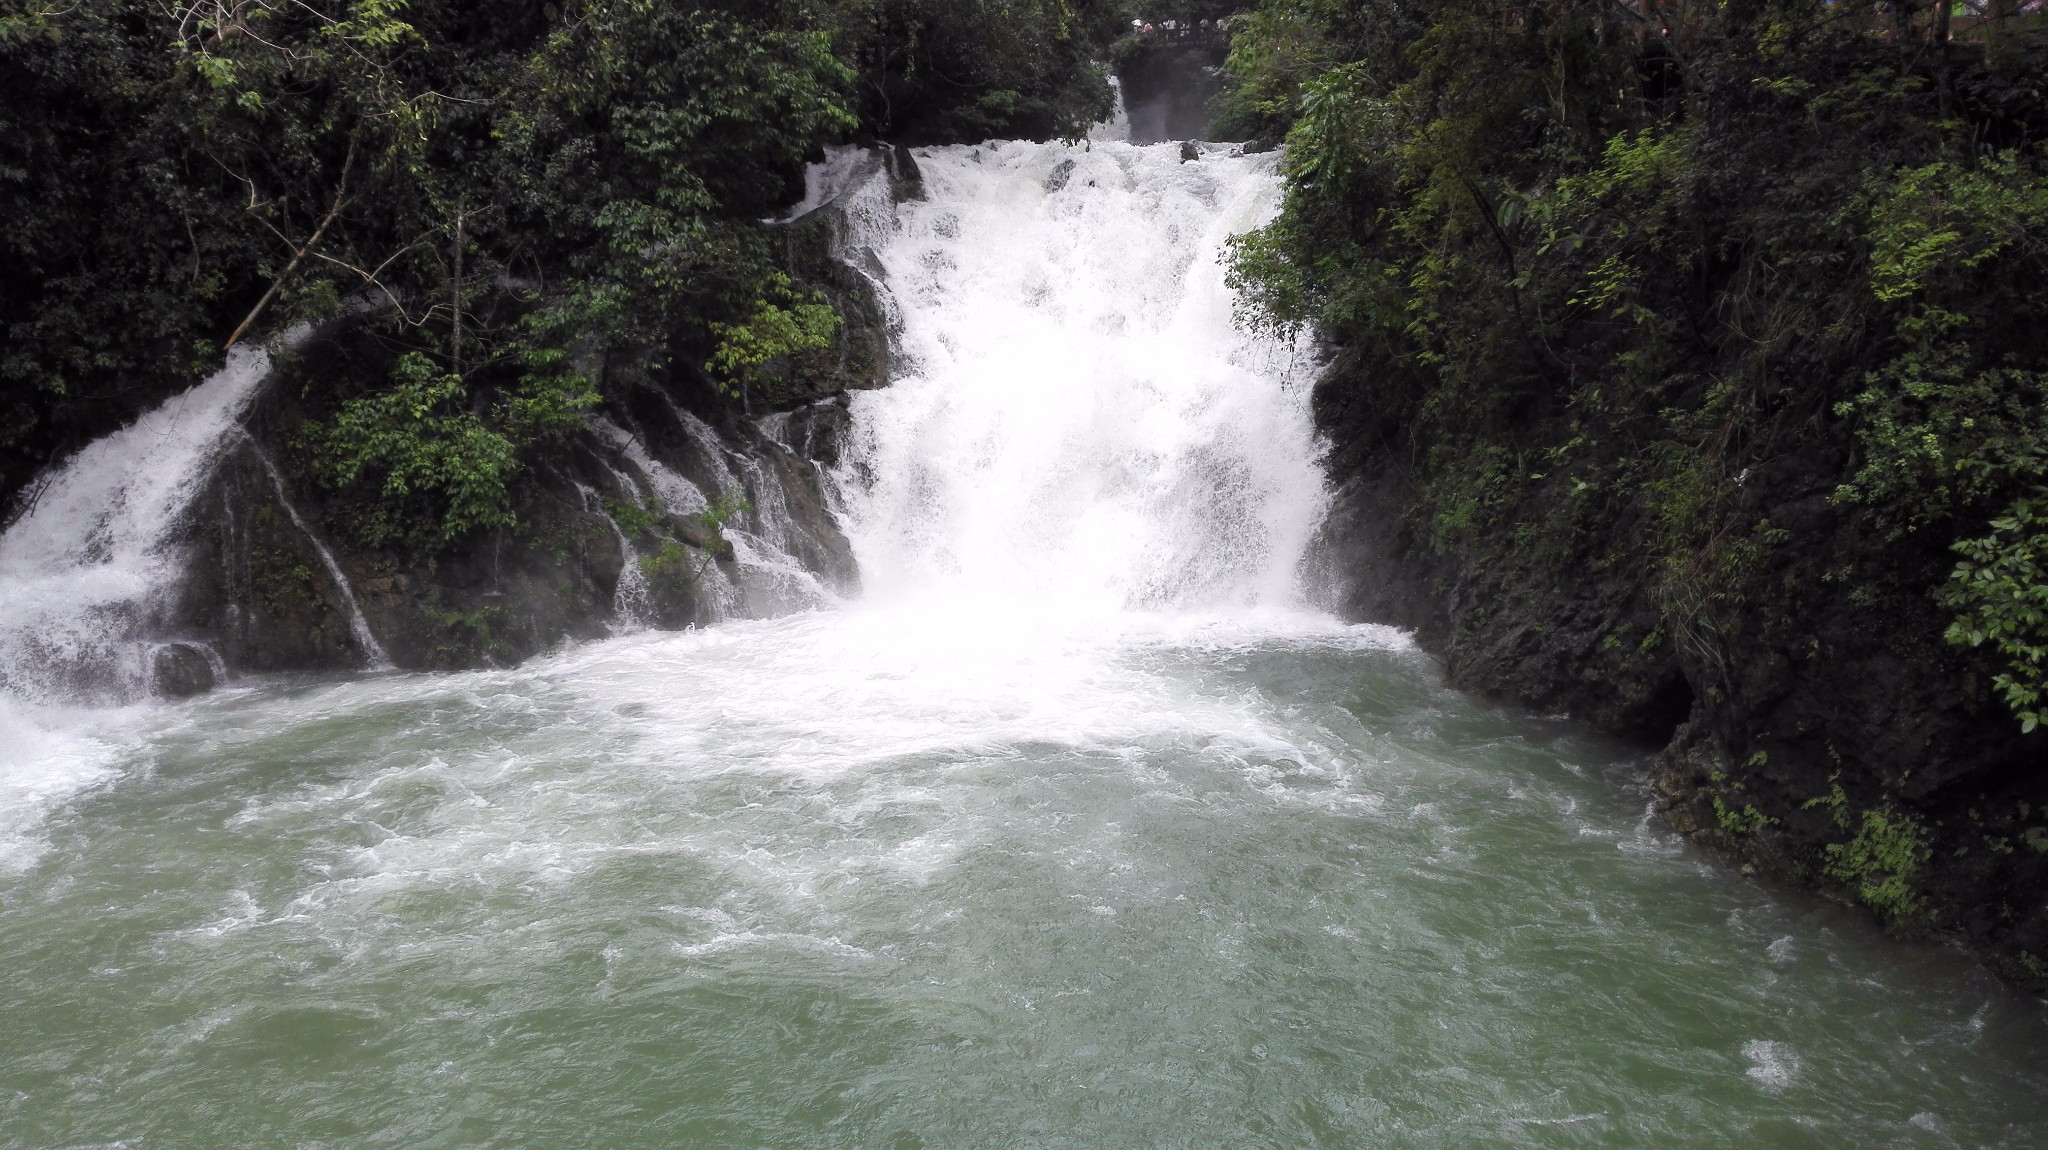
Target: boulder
[[181, 670]]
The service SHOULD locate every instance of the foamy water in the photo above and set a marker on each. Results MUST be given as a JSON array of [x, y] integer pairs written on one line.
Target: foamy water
[[88, 559]]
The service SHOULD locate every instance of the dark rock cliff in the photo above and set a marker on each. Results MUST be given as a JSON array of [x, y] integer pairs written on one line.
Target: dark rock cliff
[[677, 504], [1821, 732]]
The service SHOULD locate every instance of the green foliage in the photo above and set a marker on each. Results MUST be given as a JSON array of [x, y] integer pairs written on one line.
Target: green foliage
[[531, 193], [1939, 437], [1937, 223], [418, 439], [1836, 801], [1282, 47], [1746, 821], [2000, 593], [1590, 285], [1881, 861], [671, 561], [722, 511], [780, 325], [968, 70], [670, 564], [632, 518], [1944, 433]]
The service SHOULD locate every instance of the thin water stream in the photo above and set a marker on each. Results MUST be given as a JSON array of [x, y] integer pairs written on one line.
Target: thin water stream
[[1081, 828]]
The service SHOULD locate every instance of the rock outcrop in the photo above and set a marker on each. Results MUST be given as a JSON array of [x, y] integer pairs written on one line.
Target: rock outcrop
[[677, 504], [1798, 734]]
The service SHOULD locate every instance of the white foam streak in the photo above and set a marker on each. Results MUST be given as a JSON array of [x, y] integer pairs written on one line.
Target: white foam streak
[[48, 755], [358, 626]]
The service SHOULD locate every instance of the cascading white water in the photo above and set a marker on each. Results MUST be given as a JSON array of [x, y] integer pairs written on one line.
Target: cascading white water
[[631, 599], [769, 581], [1079, 830], [89, 559], [1086, 430]]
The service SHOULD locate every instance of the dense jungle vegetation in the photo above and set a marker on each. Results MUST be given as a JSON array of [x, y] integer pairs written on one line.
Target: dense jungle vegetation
[[1742, 304], [516, 190]]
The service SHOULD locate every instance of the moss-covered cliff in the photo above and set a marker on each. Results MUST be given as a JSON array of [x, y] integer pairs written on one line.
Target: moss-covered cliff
[[1688, 377], [626, 518]]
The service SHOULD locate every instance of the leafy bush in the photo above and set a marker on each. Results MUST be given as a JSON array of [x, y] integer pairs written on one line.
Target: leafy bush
[[1881, 861], [2000, 591], [418, 439], [781, 325]]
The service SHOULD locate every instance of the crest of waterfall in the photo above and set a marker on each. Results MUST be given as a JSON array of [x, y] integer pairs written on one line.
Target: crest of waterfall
[[1083, 426], [90, 558]]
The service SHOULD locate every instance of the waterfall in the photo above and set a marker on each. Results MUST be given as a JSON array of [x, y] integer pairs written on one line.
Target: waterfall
[[83, 568], [632, 602], [374, 657], [1116, 129], [87, 561], [1084, 429], [771, 580]]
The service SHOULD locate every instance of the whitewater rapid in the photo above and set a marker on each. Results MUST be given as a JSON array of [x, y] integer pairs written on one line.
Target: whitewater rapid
[[1079, 436]]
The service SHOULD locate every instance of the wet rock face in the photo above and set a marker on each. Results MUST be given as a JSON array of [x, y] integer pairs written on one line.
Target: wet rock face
[[255, 583], [1815, 704], [597, 549], [181, 670], [814, 432]]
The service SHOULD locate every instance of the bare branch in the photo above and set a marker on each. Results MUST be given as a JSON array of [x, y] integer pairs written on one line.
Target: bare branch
[[299, 254]]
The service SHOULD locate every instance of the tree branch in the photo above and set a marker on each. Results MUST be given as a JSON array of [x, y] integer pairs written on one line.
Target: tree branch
[[298, 254]]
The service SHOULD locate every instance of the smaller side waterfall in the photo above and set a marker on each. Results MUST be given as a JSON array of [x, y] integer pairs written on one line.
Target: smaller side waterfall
[[632, 600], [358, 627], [771, 580], [90, 559]]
